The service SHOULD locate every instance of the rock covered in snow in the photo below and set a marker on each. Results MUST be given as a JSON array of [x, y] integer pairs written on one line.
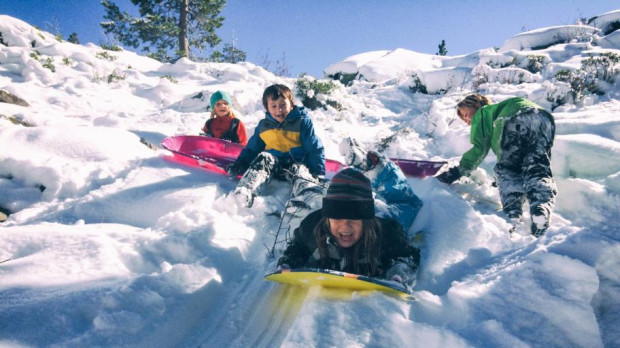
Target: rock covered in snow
[[545, 37]]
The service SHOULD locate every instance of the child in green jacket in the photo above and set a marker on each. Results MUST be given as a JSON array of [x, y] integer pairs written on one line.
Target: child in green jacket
[[521, 134]]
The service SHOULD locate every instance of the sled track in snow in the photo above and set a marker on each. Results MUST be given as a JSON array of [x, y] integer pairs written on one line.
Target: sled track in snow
[[261, 319]]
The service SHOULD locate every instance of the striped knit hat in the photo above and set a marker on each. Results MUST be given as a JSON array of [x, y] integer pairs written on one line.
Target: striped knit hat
[[349, 196]]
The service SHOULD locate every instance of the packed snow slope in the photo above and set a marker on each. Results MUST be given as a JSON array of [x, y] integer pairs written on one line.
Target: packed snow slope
[[109, 243]]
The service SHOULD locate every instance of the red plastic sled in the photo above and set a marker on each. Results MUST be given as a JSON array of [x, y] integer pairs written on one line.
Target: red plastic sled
[[216, 155]]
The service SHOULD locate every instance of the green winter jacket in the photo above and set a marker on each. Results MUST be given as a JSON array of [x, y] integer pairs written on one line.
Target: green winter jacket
[[487, 126]]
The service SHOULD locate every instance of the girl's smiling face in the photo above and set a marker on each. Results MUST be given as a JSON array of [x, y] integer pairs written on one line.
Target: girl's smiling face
[[221, 108], [346, 232]]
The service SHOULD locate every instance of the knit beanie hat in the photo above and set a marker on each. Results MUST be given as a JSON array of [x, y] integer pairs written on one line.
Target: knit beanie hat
[[349, 196], [220, 95]]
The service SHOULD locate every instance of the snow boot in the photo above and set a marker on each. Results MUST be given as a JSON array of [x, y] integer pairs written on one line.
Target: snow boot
[[354, 154], [540, 221], [514, 222], [305, 185], [514, 218], [357, 157], [244, 196], [258, 174]]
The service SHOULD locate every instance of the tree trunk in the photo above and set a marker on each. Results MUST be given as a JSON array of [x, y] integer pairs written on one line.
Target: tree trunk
[[183, 41]]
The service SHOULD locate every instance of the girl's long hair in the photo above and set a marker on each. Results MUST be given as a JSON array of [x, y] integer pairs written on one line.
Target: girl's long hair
[[369, 244], [474, 101]]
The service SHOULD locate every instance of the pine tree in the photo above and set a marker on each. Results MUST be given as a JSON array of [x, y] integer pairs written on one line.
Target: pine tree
[[442, 48], [216, 57], [231, 54], [73, 38], [184, 27]]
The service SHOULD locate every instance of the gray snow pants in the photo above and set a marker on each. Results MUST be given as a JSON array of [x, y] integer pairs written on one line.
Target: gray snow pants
[[524, 170], [266, 166]]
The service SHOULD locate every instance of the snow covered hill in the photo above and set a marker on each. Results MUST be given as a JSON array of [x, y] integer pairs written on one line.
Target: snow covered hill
[[108, 243]]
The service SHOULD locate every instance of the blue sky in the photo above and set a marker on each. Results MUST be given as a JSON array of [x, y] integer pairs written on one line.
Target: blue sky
[[313, 34]]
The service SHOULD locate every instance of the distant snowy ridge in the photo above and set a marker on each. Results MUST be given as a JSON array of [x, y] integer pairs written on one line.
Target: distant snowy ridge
[[398, 64]]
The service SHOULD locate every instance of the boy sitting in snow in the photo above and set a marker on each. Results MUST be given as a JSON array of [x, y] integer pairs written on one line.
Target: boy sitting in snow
[[355, 233], [284, 145]]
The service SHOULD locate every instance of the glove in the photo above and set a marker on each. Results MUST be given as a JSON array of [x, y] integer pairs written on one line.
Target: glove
[[372, 159], [401, 273], [449, 176], [234, 170], [397, 278]]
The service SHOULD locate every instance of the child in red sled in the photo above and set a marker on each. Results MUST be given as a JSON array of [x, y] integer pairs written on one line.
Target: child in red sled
[[223, 123]]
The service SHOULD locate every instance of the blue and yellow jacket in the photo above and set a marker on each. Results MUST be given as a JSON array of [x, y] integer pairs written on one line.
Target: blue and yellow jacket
[[292, 141]]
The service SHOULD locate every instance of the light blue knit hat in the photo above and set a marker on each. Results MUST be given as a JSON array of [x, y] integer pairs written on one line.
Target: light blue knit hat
[[220, 95]]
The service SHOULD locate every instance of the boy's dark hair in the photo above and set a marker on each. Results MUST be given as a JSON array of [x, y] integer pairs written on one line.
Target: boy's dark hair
[[276, 91]]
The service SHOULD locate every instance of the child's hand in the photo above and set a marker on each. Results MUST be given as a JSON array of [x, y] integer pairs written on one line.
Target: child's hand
[[234, 170], [449, 176]]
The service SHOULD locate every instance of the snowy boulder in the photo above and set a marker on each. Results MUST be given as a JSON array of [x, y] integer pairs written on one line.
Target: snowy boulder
[[607, 22], [385, 65], [545, 37], [612, 183], [6, 97], [609, 41], [352, 64], [471, 60], [509, 75], [439, 80]]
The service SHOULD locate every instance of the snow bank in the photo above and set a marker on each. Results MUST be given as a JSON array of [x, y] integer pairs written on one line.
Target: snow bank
[[21, 34], [68, 161], [609, 41], [585, 156]]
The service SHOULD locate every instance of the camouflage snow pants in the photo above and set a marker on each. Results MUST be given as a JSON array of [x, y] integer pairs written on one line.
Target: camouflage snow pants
[[524, 171]]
